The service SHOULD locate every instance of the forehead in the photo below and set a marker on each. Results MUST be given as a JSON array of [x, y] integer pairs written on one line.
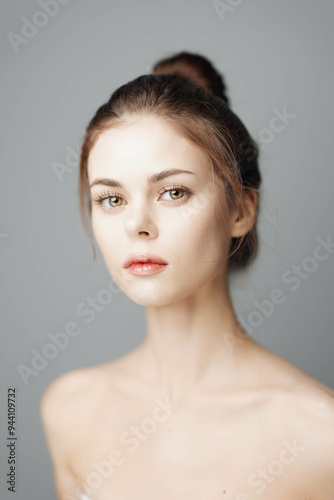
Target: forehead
[[144, 144]]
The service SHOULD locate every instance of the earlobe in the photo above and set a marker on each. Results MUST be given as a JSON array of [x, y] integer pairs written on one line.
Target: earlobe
[[242, 224]]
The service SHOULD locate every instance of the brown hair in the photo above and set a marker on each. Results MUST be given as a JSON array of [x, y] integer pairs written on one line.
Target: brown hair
[[189, 93]]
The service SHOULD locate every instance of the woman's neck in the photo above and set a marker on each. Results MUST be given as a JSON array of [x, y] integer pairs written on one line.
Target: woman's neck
[[194, 343]]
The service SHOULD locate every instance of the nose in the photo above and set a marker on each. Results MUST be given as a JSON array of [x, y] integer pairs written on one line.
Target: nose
[[140, 221]]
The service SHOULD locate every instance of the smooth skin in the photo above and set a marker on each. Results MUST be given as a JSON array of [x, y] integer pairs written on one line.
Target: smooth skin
[[198, 410]]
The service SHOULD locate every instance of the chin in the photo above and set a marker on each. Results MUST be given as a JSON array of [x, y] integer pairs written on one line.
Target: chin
[[155, 291], [146, 302], [157, 294], [153, 297]]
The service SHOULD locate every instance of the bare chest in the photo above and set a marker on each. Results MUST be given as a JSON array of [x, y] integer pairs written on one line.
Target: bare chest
[[154, 451]]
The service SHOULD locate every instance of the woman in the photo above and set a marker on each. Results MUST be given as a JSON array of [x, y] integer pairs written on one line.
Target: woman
[[198, 410]]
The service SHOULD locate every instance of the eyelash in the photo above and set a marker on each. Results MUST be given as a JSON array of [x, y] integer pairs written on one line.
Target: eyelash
[[104, 196]]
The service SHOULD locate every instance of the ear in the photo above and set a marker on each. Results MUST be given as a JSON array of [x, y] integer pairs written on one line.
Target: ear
[[242, 225]]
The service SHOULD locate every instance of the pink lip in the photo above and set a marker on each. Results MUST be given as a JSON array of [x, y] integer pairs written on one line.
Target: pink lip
[[144, 258], [146, 268]]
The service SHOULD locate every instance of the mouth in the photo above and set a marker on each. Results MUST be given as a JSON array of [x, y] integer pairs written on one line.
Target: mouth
[[144, 259], [145, 265], [146, 268]]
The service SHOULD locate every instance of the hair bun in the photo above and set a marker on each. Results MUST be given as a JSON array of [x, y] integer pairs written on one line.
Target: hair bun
[[195, 69]]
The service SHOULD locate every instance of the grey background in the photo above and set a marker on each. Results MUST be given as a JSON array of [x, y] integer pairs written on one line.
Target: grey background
[[272, 54]]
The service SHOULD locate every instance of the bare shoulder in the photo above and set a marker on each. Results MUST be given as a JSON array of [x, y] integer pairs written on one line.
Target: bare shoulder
[[65, 410], [71, 395], [313, 424], [81, 392], [300, 393], [311, 404], [303, 409], [314, 403]]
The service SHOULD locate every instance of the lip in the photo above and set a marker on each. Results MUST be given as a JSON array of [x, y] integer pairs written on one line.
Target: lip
[[144, 258], [146, 268]]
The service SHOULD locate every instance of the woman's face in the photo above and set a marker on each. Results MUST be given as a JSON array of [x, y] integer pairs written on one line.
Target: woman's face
[[181, 218]]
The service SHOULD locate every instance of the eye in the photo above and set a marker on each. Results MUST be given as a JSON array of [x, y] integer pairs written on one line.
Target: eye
[[111, 201], [114, 201], [176, 191]]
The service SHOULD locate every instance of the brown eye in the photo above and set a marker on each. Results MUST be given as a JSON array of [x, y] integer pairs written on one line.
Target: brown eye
[[176, 191], [115, 198]]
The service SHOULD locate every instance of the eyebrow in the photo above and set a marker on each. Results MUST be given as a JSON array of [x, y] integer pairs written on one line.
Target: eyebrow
[[151, 180]]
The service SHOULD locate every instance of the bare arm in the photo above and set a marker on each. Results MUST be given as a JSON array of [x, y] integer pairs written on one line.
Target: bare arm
[[321, 446], [55, 424]]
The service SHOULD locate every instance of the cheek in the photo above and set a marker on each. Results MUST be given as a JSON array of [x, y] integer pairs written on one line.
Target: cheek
[[201, 239], [106, 233]]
